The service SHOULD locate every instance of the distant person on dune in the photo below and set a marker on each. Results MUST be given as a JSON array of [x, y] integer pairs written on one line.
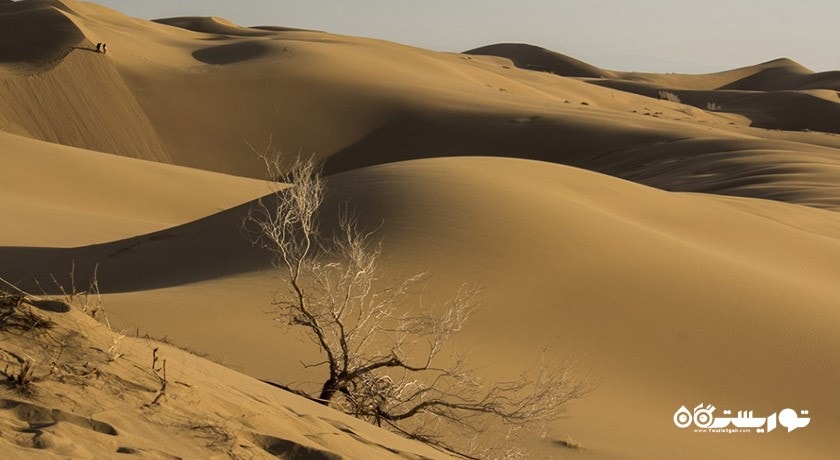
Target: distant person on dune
[[101, 48]]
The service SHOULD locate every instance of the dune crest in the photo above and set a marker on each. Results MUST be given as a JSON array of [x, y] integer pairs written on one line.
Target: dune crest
[[356, 102], [35, 32], [103, 197], [536, 58], [212, 25], [99, 113]]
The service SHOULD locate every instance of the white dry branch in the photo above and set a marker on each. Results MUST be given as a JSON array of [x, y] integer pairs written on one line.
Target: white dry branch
[[385, 362]]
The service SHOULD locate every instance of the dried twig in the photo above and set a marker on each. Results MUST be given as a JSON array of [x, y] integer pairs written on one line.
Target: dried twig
[[160, 373]]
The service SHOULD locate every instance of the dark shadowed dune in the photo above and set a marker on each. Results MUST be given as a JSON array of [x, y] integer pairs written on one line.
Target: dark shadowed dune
[[782, 110], [786, 74], [232, 53], [283, 29], [212, 25], [34, 32], [536, 58]]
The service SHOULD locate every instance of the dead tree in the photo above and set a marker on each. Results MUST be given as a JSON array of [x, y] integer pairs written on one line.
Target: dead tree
[[385, 361]]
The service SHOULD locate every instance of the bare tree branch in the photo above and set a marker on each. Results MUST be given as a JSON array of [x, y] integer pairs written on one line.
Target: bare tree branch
[[385, 360]]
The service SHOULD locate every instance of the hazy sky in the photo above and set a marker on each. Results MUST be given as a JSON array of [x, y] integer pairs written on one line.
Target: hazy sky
[[642, 35]]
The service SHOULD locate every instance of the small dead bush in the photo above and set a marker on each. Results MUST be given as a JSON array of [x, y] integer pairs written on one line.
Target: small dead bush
[[669, 96]]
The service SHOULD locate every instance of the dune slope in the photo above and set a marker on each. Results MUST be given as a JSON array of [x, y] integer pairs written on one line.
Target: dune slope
[[779, 94], [97, 394], [82, 102], [536, 58], [64, 197], [211, 25], [22, 45], [203, 97], [605, 270], [678, 255]]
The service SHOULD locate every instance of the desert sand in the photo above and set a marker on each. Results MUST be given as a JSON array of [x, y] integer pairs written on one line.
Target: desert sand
[[678, 254]]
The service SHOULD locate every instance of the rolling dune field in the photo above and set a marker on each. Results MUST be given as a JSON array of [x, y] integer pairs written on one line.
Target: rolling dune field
[[679, 251]]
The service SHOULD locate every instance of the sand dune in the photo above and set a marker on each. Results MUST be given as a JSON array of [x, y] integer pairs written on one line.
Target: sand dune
[[671, 265], [779, 94], [536, 58], [199, 103], [99, 114], [102, 197], [679, 255], [211, 25], [16, 28], [65, 417], [777, 74], [785, 74], [811, 110]]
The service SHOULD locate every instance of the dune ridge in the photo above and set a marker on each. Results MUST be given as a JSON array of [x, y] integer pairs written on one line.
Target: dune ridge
[[536, 58], [786, 74], [21, 43], [211, 25], [776, 74], [103, 197], [101, 114], [209, 110]]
